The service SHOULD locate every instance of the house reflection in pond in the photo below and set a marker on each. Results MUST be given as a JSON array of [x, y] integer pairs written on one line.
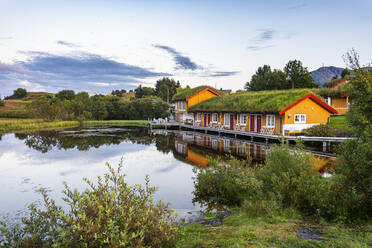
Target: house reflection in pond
[[195, 149]]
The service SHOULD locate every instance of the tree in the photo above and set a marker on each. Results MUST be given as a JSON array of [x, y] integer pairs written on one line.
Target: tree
[[118, 93], [298, 76], [165, 88], [345, 72], [354, 172], [18, 94], [266, 79], [66, 94]]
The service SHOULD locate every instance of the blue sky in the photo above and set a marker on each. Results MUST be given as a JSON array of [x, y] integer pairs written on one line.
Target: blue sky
[[97, 46]]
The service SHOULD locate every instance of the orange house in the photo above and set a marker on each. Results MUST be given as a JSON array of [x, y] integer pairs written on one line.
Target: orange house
[[338, 96], [189, 97], [269, 112]]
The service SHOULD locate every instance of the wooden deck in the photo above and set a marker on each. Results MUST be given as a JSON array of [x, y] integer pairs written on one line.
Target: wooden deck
[[251, 135]]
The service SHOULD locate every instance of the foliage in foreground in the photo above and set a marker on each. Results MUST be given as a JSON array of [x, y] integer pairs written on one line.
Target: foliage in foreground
[[108, 214], [321, 130], [288, 180]]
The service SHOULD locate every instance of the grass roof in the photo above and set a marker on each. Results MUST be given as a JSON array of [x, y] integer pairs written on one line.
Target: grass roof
[[340, 89], [272, 101], [186, 93]]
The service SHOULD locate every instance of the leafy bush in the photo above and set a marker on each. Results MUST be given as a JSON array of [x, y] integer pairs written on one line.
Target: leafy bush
[[321, 130], [108, 214], [226, 184]]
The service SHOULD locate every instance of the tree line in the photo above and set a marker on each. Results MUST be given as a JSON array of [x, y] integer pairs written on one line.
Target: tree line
[[66, 105]]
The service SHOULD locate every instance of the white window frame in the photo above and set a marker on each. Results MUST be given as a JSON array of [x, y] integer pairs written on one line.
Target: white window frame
[[214, 115], [268, 122], [301, 118], [226, 119], [244, 121], [198, 117], [181, 148], [181, 106]]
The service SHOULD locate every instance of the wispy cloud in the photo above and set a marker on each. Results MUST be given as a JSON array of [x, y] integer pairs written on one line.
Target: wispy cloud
[[260, 41], [80, 71], [182, 62], [297, 6], [185, 63], [6, 38], [68, 44]]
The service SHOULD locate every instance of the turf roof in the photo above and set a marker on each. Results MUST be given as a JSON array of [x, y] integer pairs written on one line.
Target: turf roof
[[186, 93], [272, 101]]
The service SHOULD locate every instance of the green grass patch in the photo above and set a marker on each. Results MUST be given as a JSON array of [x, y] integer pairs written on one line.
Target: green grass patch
[[242, 230], [20, 125], [340, 123]]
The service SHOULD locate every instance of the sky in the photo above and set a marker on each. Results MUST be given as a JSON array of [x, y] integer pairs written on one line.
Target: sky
[[97, 46]]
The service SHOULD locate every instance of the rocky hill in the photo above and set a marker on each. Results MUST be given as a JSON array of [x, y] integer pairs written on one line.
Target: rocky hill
[[325, 74]]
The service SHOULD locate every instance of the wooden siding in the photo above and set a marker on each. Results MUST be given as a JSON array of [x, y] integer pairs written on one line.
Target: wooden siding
[[314, 113], [199, 97], [340, 104]]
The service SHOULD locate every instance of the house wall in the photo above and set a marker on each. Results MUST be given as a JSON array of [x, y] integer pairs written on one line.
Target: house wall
[[200, 97], [340, 104], [181, 111], [315, 114]]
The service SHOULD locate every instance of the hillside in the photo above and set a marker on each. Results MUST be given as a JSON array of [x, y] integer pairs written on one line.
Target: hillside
[[325, 74]]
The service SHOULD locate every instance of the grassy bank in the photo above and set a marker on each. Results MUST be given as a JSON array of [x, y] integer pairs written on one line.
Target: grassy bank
[[340, 123], [241, 229], [20, 125]]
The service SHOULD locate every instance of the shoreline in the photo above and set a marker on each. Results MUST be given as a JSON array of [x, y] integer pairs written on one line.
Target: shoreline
[[26, 125]]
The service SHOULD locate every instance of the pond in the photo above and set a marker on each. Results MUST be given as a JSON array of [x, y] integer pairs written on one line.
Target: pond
[[47, 158]]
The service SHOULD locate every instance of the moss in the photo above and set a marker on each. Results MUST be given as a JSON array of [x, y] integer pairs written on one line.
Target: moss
[[341, 89], [272, 101], [184, 94]]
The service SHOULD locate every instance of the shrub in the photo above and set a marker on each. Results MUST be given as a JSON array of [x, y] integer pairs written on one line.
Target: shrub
[[18, 94], [108, 214], [2, 103], [226, 184], [321, 130]]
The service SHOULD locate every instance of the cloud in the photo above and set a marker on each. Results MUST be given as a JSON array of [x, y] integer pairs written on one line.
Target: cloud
[[260, 41], [297, 6], [76, 72], [182, 62], [65, 43], [6, 38], [223, 73]]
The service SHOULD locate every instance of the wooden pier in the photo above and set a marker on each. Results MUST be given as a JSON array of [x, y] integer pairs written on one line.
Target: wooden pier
[[250, 135]]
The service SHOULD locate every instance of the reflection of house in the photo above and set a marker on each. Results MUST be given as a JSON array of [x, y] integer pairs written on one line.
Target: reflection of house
[[182, 148], [270, 112], [338, 96], [189, 97]]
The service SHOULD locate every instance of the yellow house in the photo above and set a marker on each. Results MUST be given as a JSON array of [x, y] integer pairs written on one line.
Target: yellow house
[[269, 112], [337, 96], [189, 97]]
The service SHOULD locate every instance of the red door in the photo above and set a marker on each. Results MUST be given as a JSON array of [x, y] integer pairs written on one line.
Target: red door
[[259, 119], [231, 121], [251, 120], [205, 120], [209, 119]]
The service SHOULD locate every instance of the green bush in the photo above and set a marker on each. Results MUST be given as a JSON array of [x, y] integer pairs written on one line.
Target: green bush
[[321, 130], [108, 214], [226, 184], [19, 114], [2, 103]]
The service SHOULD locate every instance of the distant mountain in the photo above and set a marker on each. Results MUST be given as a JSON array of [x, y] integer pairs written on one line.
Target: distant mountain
[[325, 74]]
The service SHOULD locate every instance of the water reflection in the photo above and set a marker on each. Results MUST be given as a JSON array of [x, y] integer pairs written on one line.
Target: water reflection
[[29, 161]]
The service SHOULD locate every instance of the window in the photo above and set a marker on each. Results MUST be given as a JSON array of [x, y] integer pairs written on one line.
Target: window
[[300, 119], [198, 117], [270, 121], [243, 119], [181, 105], [215, 144], [329, 101], [181, 149], [214, 117], [227, 119], [226, 145]]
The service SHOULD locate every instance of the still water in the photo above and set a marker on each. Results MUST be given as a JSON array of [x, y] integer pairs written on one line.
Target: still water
[[47, 158]]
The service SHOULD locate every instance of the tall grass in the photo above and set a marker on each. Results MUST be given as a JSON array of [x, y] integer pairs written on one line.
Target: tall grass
[[16, 125]]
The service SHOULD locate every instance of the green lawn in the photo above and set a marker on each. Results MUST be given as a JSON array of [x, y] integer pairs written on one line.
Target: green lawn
[[339, 122], [20, 125], [243, 230]]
